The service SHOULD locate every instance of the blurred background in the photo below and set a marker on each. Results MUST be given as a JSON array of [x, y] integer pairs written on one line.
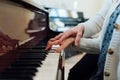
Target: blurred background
[[88, 7], [65, 14]]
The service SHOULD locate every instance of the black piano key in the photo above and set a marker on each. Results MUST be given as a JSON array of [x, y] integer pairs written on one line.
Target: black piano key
[[32, 59], [41, 44], [13, 79], [18, 74], [10, 72], [29, 61], [16, 77], [36, 51], [28, 64], [33, 56], [30, 68], [39, 47]]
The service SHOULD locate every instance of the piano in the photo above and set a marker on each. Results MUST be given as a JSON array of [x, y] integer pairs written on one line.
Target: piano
[[29, 23]]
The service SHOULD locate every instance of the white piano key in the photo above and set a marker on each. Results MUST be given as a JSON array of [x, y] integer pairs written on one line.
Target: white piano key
[[48, 71], [55, 46]]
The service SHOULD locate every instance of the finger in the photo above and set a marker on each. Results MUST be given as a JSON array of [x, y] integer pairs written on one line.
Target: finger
[[66, 35], [58, 50], [65, 44], [48, 47], [50, 43], [77, 39]]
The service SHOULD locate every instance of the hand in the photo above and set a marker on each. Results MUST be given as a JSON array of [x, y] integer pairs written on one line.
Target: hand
[[63, 44], [76, 32]]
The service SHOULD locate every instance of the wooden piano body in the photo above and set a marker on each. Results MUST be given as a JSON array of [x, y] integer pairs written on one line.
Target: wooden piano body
[[29, 23]]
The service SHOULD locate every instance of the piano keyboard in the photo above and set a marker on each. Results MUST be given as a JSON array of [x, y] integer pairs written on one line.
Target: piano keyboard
[[49, 69], [34, 64]]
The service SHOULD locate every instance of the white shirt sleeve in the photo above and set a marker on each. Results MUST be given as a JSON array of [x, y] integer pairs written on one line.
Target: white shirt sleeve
[[92, 26]]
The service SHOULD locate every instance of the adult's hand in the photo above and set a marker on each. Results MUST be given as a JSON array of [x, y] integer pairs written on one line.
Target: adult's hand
[[76, 32], [63, 44]]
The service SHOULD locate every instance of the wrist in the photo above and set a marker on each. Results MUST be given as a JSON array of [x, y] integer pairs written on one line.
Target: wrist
[[81, 27]]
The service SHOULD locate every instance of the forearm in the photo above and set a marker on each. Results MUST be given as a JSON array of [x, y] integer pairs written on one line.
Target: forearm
[[86, 45]]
